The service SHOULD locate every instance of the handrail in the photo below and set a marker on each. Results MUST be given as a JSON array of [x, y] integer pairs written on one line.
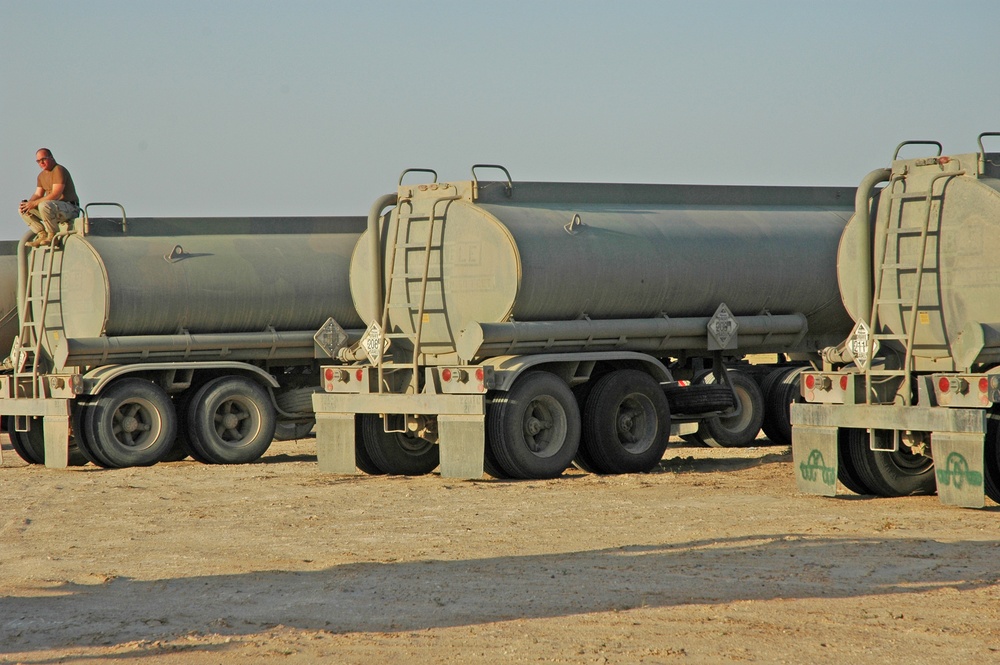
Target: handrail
[[895, 155], [403, 174], [86, 215], [982, 150], [508, 188]]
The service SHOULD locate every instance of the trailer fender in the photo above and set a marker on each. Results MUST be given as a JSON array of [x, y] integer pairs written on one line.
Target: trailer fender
[[96, 380], [574, 368]]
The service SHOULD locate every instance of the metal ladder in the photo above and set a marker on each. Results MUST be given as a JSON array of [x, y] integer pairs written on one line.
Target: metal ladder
[[32, 332], [401, 241], [893, 230]]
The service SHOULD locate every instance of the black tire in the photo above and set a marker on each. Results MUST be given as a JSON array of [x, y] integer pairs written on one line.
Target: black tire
[[697, 399], [182, 444], [293, 431], [582, 460], [991, 458], [492, 467], [81, 422], [846, 473], [781, 390], [132, 423], [230, 421], [362, 459], [25, 448], [535, 427], [626, 423], [742, 429], [396, 453], [33, 444], [890, 474]]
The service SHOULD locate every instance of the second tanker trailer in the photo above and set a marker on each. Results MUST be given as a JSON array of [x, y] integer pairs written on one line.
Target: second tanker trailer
[[523, 326]]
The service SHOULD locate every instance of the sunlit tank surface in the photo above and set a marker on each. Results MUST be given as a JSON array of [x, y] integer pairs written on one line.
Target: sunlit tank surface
[[959, 313], [8, 294], [563, 252], [208, 275]]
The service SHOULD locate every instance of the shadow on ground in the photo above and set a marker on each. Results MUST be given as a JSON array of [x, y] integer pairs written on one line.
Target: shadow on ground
[[426, 594]]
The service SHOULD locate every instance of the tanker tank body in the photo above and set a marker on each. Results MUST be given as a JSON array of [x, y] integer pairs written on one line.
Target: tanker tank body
[[554, 320], [8, 292], [909, 402], [144, 339]]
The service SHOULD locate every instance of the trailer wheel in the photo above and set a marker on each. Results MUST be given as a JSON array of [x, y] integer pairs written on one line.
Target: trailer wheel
[[781, 390], [396, 453], [230, 421], [582, 460], [743, 428], [23, 446], [626, 423], [535, 427], [901, 473], [132, 423], [362, 459], [991, 458], [84, 442], [847, 438], [30, 445]]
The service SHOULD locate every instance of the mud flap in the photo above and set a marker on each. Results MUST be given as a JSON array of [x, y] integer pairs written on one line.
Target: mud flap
[[958, 468], [814, 455], [335, 443], [462, 440], [56, 432]]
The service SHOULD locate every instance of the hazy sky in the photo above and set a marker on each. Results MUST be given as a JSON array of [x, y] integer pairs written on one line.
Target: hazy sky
[[313, 108]]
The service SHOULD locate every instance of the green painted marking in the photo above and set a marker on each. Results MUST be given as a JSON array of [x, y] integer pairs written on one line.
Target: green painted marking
[[816, 463], [956, 472]]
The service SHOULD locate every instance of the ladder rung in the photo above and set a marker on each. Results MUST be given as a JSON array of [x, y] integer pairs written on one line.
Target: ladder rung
[[910, 195], [901, 230], [900, 266], [890, 336], [888, 372], [417, 245], [414, 275], [894, 301], [397, 335]]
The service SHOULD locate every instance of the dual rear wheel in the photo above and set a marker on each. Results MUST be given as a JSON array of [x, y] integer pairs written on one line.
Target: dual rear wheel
[[536, 429], [228, 420]]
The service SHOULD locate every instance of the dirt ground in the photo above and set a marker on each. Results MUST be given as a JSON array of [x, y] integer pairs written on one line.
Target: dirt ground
[[714, 558]]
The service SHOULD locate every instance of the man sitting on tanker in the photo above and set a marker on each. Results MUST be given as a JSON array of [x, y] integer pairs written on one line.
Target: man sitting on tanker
[[54, 200]]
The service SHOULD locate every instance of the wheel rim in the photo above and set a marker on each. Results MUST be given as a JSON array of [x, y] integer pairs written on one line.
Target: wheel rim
[[632, 423], [237, 422], [544, 426], [413, 445], [739, 422], [902, 460], [136, 424]]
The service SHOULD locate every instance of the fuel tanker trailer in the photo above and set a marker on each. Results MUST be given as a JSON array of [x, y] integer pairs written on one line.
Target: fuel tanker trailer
[[143, 339], [909, 402], [525, 326]]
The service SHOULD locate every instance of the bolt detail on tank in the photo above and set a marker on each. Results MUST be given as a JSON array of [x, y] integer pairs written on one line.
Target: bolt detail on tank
[[909, 402], [520, 327]]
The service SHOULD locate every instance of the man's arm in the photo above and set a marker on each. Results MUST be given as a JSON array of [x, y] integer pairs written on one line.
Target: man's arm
[[40, 195]]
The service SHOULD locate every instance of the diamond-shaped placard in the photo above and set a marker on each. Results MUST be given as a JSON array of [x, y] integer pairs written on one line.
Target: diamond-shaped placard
[[369, 342], [859, 341], [722, 328], [330, 337]]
